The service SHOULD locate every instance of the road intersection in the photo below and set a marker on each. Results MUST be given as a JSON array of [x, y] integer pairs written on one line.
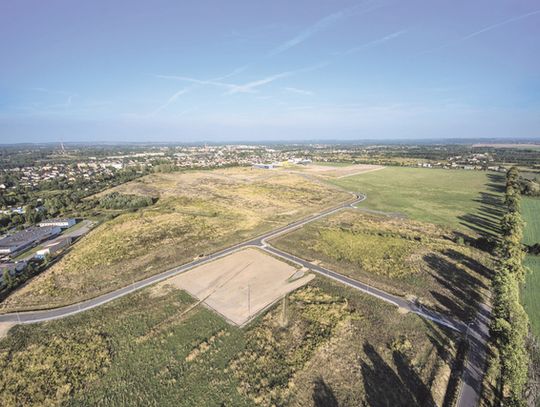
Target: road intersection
[[477, 337]]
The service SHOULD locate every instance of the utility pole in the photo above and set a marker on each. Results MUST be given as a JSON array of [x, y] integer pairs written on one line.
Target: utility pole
[[249, 302]]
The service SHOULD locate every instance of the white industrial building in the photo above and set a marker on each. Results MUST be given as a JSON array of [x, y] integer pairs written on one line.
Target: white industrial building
[[266, 166], [62, 223], [53, 247]]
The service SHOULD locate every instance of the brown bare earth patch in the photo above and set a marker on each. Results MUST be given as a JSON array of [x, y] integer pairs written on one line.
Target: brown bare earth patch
[[226, 284], [4, 328]]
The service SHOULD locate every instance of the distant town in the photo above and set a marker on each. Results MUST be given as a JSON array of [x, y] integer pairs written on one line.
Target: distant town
[[46, 191]]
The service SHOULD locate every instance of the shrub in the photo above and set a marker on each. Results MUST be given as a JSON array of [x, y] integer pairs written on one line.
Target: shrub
[[115, 200]]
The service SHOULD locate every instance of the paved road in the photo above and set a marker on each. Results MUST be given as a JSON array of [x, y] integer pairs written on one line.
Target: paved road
[[477, 333], [477, 336], [375, 292], [46, 315], [259, 242]]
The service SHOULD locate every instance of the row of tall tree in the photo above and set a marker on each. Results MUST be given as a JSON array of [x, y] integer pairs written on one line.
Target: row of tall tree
[[510, 322]]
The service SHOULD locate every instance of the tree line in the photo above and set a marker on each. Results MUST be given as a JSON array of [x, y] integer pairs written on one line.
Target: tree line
[[510, 323]]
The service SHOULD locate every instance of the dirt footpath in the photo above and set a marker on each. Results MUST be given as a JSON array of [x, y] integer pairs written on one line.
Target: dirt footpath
[[241, 284]]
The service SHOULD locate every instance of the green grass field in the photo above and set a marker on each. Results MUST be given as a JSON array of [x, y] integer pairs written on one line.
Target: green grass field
[[399, 256], [530, 209], [328, 344], [530, 293], [460, 199]]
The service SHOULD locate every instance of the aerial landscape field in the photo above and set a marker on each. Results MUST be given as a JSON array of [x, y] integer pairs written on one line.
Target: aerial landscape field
[[448, 197], [401, 257], [422, 262], [255, 326], [196, 213], [328, 343], [270, 203]]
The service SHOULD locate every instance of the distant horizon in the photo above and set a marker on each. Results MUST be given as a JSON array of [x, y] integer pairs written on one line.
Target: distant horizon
[[389, 141], [242, 70]]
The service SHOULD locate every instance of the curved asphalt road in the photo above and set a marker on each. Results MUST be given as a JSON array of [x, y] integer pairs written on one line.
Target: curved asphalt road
[[30, 317], [259, 242], [477, 336]]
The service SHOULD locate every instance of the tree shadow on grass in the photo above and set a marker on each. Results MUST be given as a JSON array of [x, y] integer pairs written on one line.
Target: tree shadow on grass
[[322, 395], [486, 221], [497, 182], [384, 387], [463, 287], [494, 211], [441, 339], [470, 263], [482, 225]]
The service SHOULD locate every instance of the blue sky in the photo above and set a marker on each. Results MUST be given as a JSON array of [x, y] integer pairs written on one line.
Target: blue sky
[[268, 70]]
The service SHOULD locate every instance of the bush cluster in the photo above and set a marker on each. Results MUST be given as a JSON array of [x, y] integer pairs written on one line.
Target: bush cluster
[[115, 200]]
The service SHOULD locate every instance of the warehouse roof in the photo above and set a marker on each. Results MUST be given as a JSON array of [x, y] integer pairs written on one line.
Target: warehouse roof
[[27, 235]]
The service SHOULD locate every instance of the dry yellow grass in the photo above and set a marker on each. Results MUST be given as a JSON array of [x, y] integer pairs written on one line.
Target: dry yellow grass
[[197, 213]]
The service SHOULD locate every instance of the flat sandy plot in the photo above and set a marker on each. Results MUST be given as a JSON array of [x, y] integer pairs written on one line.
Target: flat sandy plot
[[223, 284], [4, 328], [339, 171]]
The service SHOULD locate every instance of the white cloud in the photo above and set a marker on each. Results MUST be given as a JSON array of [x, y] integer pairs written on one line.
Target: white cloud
[[322, 24], [299, 91], [248, 87], [251, 86], [171, 99], [500, 24], [376, 42], [481, 31]]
